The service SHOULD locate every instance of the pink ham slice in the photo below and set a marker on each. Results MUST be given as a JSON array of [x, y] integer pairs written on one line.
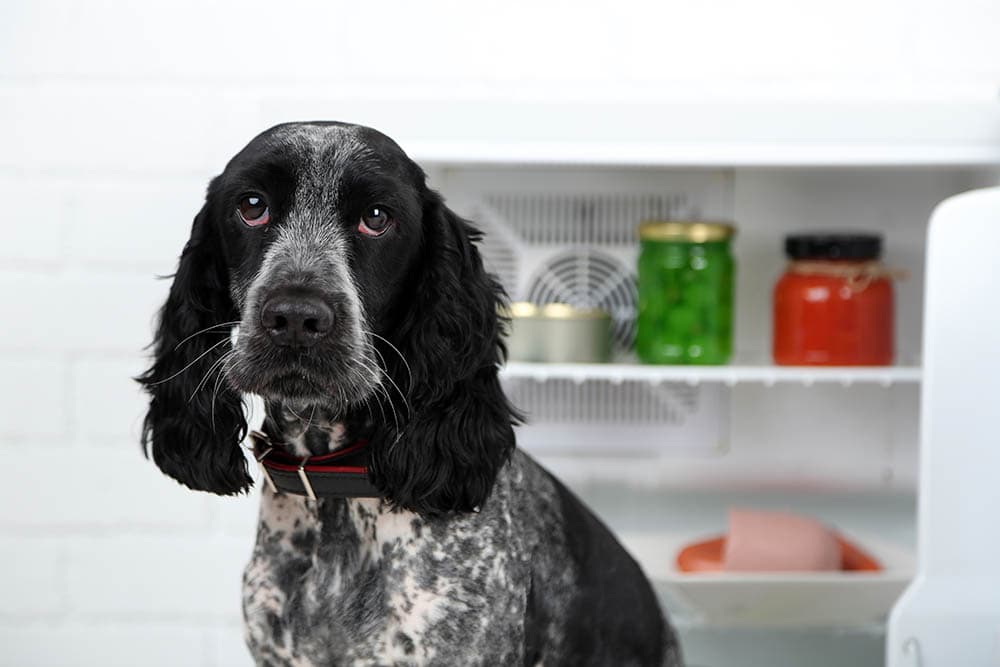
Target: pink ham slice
[[778, 542]]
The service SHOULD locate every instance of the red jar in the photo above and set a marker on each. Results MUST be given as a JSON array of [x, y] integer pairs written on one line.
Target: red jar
[[834, 304]]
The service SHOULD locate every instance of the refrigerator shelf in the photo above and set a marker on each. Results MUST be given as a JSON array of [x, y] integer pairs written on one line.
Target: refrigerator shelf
[[767, 375], [635, 131]]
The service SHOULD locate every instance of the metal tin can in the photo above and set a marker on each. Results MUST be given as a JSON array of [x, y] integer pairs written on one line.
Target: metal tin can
[[558, 333], [685, 293]]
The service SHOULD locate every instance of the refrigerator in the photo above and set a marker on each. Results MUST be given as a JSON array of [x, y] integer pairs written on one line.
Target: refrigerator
[[899, 458]]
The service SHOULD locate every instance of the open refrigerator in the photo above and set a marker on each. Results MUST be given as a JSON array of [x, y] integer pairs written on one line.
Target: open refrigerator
[[897, 458]]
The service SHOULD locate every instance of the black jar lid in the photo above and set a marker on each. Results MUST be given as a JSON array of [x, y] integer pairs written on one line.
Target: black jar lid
[[833, 246]]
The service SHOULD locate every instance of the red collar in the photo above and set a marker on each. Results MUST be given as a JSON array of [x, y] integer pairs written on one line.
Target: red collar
[[340, 474]]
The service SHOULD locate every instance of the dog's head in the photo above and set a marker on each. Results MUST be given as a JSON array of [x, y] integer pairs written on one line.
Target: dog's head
[[352, 285]]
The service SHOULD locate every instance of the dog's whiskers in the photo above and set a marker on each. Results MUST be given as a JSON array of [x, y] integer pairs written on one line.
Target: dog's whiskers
[[189, 365], [409, 373], [384, 372], [218, 379], [370, 365], [294, 413], [388, 399], [207, 329], [312, 413], [380, 408], [204, 379]]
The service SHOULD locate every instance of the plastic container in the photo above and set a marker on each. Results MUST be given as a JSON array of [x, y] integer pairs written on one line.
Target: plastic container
[[685, 293], [834, 304]]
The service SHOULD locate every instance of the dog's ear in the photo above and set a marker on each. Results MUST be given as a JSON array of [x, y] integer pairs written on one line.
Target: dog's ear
[[195, 422], [459, 426]]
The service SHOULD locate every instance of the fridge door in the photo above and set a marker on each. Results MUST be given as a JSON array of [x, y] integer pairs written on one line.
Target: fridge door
[[950, 614]]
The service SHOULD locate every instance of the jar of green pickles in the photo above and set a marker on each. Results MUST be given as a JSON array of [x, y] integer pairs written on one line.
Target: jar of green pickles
[[685, 293]]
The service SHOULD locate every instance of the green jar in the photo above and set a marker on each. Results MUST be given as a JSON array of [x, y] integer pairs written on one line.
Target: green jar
[[685, 293]]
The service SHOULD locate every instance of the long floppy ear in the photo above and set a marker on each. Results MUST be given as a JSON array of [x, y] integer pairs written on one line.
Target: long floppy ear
[[459, 429], [195, 424]]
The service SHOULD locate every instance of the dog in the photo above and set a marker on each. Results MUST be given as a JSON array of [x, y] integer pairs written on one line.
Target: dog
[[364, 318]]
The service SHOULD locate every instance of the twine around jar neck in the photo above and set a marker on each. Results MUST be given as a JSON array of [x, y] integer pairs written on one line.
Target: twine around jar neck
[[857, 275]]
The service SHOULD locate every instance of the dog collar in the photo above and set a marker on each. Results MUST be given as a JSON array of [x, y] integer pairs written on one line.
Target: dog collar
[[340, 474]]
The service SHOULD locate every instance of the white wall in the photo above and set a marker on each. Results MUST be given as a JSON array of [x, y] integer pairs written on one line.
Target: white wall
[[113, 115]]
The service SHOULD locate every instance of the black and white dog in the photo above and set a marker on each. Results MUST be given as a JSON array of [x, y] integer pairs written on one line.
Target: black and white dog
[[365, 316]]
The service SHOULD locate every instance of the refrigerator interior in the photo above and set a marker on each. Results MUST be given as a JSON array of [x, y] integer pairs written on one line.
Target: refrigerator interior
[[661, 452]]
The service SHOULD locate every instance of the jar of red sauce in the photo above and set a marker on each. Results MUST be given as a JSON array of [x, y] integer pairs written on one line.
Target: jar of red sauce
[[834, 304]]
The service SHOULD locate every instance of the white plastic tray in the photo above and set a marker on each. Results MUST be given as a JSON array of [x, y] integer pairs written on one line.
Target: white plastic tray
[[841, 599]]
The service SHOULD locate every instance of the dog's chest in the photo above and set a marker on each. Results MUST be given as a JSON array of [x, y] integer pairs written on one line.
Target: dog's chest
[[349, 582]]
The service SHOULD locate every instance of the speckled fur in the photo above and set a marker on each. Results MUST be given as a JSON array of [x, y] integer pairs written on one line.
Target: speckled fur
[[354, 582]]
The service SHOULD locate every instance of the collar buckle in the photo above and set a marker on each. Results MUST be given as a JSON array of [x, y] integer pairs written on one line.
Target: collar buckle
[[264, 472], [261, 436], [305, 480]]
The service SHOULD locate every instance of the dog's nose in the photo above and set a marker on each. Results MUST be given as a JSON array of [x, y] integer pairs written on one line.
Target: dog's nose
[[296, 320]]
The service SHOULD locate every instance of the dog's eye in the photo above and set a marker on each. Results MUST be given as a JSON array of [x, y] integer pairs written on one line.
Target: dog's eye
[[375, 221], [254, 211]]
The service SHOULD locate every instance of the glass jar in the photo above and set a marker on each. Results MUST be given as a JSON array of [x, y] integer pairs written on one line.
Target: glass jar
[[834, 304], [685, 293]]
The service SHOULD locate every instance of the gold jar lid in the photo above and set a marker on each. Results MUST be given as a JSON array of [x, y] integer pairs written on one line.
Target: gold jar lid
[[552, 311], [689, 232]]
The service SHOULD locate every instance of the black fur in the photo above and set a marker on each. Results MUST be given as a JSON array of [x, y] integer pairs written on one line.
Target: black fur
[[460, 428], [195, 436]]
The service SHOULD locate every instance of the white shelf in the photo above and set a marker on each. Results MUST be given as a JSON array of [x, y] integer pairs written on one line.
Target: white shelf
[[703, 154], [452, 130], [729, 375]]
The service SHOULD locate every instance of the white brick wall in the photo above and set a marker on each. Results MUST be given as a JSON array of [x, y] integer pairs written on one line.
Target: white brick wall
[[114, 114], [123, 643]]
